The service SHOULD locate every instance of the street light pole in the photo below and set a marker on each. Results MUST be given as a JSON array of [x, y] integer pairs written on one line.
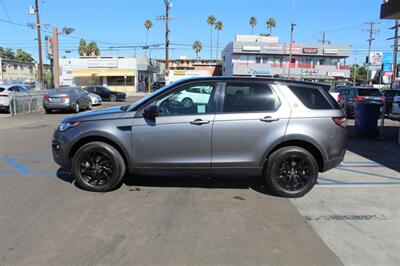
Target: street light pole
[[292, 25], [39, 33], [56, 61]]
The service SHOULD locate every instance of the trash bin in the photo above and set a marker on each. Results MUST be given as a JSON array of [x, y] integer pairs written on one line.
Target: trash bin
[[366, 118]]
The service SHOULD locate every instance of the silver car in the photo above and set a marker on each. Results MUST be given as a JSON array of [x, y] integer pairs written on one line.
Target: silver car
[[66, 98], [285, 131]]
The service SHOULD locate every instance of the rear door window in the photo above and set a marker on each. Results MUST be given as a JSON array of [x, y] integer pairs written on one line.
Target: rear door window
[[369, 92], [314, 98], [249, 97]]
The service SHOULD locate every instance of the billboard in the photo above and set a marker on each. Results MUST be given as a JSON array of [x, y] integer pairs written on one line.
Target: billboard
[[388, 57], [375, 58]]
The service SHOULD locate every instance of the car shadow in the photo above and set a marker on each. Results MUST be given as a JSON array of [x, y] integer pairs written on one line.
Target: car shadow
[[385, 152], [254, 183]]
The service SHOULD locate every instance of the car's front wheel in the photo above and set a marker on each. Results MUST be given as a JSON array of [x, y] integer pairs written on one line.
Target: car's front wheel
[[98, 166], [113, 98], [291, 172]]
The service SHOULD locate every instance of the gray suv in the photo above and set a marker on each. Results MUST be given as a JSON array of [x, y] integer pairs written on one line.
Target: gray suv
[[283, 130]]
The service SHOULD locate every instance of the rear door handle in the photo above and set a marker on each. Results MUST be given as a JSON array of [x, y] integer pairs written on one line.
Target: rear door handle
[[269, 119], [199, 122]]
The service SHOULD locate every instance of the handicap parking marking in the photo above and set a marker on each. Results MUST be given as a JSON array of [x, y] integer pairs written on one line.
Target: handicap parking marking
[[22, 169]]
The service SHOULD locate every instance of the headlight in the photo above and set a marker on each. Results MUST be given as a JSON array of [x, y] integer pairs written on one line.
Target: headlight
[[66, 125]]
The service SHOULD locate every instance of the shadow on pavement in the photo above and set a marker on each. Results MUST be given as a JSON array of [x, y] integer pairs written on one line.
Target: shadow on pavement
[[385, 152]]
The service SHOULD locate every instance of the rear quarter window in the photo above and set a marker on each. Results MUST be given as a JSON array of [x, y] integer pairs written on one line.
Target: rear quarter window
[[314, 98]]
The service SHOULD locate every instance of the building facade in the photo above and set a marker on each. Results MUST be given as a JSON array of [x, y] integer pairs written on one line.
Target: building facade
[[126, 74], [251, 55], [13, 70]]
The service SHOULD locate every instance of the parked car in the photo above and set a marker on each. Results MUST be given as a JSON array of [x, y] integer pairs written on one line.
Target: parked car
[[106, 94], [349, 96], [5, 91], [158, 85], [72, 99], [389, 95], [395, 112], [96, 99], [193, 95], [283, 130]]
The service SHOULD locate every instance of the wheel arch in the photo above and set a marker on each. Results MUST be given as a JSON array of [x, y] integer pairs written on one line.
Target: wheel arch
[[308, 145], [87, 139]]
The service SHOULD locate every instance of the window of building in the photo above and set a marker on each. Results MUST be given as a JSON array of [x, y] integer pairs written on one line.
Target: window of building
[[247, 97], [121, 81], [258, 59]]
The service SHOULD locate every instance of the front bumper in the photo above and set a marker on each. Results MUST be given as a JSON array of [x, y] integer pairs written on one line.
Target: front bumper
[[60, 150]]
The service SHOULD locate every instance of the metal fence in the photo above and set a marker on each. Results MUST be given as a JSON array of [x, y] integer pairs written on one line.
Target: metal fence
[[28, 102]]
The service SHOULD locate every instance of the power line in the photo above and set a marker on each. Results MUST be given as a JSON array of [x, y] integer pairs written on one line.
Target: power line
[[8, 16]]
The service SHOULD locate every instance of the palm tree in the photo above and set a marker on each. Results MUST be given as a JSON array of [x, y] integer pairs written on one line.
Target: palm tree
[[148, 24], [218, 26], [271, 23], [197, 46], [253, 23], [211, 22]]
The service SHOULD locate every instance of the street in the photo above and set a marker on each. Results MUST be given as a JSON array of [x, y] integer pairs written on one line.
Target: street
[[46, 219]]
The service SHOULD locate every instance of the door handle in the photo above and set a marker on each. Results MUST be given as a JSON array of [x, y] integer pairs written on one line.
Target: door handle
[[269, 119], [199, 122]]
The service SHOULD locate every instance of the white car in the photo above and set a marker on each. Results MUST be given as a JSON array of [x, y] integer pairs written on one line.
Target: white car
[[96, 99], [395, 113], [193, 95], [6, 91]]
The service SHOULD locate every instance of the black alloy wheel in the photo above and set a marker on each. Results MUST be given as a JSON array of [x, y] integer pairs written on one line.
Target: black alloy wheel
[[291, 172], [98, 166]]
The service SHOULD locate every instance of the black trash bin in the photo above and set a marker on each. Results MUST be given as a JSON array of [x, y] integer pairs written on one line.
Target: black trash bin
[[366, 118]]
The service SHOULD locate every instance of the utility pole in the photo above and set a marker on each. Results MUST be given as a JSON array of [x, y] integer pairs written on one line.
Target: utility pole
[[396, 49], [167, 7], [323, 41], [39, 33], [292, 25], [372, 32], [56, 61]]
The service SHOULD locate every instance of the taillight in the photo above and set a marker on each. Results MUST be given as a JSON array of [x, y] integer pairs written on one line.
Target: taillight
[[339, 98], [46, 97], [382, 98], [66, 97], [358, 98], [340, 121]]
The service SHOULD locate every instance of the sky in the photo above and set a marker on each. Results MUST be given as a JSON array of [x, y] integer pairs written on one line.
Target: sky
[[121, 22]]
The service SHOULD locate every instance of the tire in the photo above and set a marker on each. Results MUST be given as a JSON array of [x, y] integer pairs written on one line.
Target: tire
[[296, 181], [111, 164], [48, 111], [90, 105], [187, 102], [76, 108], [113, 98]]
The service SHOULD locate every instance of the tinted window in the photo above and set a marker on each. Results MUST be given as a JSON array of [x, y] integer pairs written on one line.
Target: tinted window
[[89, 89], [369, 92], [254, 97], [184, 102], [1, 89], [312, 98]]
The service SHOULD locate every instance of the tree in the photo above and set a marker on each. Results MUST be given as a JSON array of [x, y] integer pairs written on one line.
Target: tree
[[148, 24], [218, 26], [23, 56], [271, 23], [82, 48], [360, 73], [92, 49], [197, 47], [253, 23], [211, 22], [7, 53]]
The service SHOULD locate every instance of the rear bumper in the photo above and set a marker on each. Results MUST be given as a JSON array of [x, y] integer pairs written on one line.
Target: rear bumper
[[334, 162], [47, 105], [395, 116]]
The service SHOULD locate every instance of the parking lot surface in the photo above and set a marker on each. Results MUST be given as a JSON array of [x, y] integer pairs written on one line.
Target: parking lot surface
[[350, 217]]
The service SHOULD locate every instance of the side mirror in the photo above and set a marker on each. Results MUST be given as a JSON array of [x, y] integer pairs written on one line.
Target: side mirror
[[151, 112]]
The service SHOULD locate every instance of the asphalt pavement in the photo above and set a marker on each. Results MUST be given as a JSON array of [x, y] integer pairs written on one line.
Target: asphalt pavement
[[46, 220]]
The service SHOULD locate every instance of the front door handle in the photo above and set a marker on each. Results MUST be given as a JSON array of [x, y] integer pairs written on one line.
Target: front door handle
[[199, 122], [269, 119]]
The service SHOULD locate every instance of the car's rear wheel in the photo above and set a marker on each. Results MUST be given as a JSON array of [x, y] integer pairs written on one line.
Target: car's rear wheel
[[48, 111], [291, 172], [113, 98], [98, 166], [76, 108]]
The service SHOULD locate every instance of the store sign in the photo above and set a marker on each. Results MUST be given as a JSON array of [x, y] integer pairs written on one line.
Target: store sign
[[335, 74], [296, 49], [260, 72], [309, 72], [248, 48], [179, 72], [330, 51], [310, 50], [102, 63]]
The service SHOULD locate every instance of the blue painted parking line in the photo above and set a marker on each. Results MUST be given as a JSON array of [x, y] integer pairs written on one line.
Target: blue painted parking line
[[17, 165], [359, 184], [20, 168], [367, 173]]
